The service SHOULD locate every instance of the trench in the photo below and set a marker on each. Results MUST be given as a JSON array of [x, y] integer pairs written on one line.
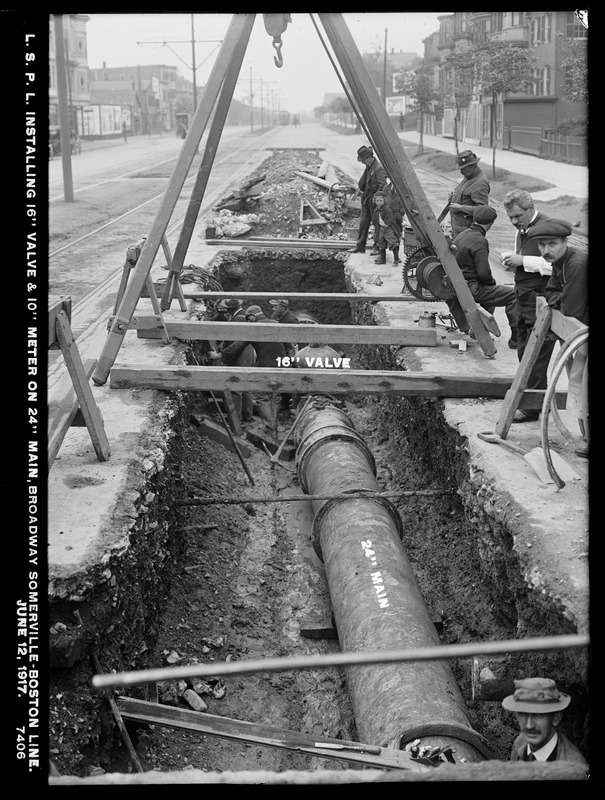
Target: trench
[[226, 582]]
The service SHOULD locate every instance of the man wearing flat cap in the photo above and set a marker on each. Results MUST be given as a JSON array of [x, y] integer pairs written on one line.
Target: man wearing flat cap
[[539, 707], [282, 313], [567, 291], [234, 312], [472, 256], [268, 354], [472, 191], [373, 179]]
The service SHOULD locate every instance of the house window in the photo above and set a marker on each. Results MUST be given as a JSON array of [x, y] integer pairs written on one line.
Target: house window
[[485, 120], [545, 80], [575, 29], [517, 18], [497, 20], [546, 27]]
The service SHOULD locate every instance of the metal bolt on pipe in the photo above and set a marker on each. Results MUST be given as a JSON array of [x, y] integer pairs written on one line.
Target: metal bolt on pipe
[[375, 598]]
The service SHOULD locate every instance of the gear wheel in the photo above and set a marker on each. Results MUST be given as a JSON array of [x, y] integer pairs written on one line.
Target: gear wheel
[[409, 273]]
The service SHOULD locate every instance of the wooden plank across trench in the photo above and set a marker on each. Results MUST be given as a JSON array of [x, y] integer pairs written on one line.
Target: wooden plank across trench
[[285, 244], [352, 297], [268, 735], [409, 336], [322, 381]]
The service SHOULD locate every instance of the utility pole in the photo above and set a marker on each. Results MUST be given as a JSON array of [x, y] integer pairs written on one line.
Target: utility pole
[[68, 189], [251, 106], [193, 41], [384, 69], [193, 65]]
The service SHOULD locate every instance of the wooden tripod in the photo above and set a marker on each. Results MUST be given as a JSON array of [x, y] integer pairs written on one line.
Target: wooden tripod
[[388, 146]]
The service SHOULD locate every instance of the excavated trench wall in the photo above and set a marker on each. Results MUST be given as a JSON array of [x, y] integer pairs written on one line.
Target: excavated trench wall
[[459, 545]]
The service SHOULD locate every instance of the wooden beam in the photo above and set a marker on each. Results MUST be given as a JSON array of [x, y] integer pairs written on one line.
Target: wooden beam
[[398, 167], [203, 174], [86, 401], [239, 31], [63, 409], [561, 325], [196, 330], [351, 297], [284, 244], [261, 734], [57, 304], [306, 381]]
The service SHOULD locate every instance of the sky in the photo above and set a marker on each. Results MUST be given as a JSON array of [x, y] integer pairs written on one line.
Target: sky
[[300, 85]]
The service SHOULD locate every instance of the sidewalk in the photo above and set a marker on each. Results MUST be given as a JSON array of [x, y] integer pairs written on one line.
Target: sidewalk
[[567, 178]]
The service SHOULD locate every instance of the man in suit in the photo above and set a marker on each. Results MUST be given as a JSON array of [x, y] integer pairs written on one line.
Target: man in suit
[[374, 178], [539, 707], [531, 276], [472, 191]]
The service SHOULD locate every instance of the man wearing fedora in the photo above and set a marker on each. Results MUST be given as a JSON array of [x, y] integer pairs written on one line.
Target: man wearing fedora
[[539, 707], [373, 179], [472, 191]]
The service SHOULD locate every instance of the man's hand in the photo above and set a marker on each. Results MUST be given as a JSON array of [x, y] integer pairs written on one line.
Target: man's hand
[[214, 356], [512, 261]]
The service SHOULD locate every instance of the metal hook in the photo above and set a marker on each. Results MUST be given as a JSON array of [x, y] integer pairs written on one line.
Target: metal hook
[[278, 59]]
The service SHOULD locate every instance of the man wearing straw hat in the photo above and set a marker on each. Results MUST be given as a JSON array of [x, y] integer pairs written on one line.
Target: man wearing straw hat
[[539, 707]]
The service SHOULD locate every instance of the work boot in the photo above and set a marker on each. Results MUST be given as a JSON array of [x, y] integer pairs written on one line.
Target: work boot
[[375, 250], [382, 258], [357, 249], [512, 342], [396, 256]]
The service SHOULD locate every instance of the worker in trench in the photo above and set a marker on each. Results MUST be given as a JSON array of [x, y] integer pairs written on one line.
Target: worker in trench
[[233, 310], [539, 705], [268, 354], [284, 315]]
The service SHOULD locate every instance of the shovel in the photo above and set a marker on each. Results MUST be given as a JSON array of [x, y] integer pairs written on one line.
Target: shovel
[[537, 460]]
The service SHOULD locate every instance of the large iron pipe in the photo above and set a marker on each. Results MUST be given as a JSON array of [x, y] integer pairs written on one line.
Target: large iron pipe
[[375, 598]]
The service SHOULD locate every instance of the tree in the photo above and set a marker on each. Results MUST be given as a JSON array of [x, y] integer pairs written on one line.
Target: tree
[[501, 69], [420, 86], [575, 66], [459, 81]]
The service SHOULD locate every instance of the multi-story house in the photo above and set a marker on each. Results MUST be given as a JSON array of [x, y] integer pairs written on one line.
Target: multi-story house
[[151, 93], [520, 119], [76, 64]]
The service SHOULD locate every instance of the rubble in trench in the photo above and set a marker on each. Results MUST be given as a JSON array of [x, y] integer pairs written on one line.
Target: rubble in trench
[[215, 583]]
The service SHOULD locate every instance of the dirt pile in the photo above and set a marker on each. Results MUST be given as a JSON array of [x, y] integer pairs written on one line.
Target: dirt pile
[[283, 191]]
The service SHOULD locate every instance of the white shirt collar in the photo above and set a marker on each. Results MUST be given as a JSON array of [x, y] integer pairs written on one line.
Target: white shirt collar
[[543, 752]]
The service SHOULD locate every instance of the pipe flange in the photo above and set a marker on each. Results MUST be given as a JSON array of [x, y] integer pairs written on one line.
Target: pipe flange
[[329, 505], [447, 729], [305, 451]]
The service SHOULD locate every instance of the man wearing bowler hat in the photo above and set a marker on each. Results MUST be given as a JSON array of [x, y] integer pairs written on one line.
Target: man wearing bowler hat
[[472, 191], [539, 707], [242, 401], [373, 179]]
